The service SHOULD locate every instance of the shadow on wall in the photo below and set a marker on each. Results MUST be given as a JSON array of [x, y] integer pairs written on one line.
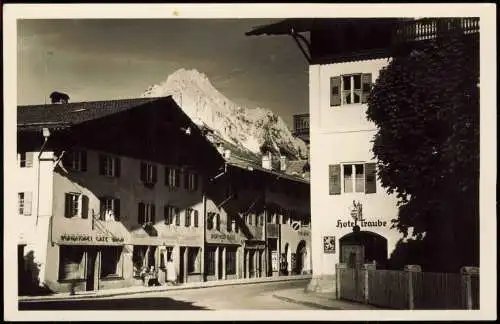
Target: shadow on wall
[[28, 277]]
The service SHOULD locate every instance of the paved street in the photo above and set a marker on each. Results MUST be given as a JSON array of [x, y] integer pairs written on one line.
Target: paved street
[[249, 296]]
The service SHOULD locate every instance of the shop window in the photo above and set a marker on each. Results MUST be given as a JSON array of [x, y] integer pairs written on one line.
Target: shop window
[[25, 159], [172, 177], [143, 257], [75, 205], [210, 260], [71, 262], [111, 262], [110, 209], [231, 261], [165, 256], [109, 166], [75, 160], [24, 203], [194, 264]]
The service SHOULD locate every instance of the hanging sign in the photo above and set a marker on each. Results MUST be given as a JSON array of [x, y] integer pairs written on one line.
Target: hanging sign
[[329, 244]]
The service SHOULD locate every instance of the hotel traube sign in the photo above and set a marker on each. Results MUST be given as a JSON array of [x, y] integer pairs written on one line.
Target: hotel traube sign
[[356, 212]]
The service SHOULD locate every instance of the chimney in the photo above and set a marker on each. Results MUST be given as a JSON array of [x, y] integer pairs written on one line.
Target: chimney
[[266, 161], [57, 97], [282, 163]]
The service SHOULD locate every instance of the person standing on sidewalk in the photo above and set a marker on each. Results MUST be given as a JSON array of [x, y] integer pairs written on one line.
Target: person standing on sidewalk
[[171, 272], [72, 271]]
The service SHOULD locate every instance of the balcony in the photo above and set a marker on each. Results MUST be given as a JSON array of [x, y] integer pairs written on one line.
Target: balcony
[[431, 28], [301, 126]]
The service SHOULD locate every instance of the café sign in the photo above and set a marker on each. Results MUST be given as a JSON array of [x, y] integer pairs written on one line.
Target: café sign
[[87, 238]]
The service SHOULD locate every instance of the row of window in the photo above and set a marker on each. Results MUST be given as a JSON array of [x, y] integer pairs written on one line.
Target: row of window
[[348, 178], [171, 215]]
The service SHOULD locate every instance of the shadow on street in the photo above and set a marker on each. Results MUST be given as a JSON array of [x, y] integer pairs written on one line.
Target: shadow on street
[[148, 303]]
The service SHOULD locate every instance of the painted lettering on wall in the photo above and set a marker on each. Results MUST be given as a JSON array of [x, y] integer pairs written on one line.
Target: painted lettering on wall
[[304, 233], [222, 236], [364, 223], [90, 238]]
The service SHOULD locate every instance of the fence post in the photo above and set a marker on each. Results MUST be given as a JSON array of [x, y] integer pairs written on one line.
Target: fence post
[[338, 269], [366, 292], [410, 269], [467, 273]]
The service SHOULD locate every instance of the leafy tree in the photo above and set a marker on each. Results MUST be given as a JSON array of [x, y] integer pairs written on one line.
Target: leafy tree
[[426, 107]]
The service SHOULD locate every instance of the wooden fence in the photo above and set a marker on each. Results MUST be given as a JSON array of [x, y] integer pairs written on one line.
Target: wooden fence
[[409, 289]]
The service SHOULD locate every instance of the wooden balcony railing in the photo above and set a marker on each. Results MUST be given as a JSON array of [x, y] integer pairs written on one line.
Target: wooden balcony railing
[[430, 28]]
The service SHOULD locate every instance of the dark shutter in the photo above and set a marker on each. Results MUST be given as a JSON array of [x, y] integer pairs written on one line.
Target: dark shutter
[[117, 209], [177, 217], [228, 223], [177, 178], [186, 180], [335, 91], [370, 178], [166, 175], [140, 213], [143, 172], [195, 218], [195, 187], [118, 167], [334, 175], [84, 160], [155, 173], [218, 221], [366, 84], [67, 205], [152, 213], [165, 214], [102, 159], [101, 208], [85, 206]]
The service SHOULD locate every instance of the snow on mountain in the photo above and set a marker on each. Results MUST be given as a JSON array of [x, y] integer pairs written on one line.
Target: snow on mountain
[[250, 129]]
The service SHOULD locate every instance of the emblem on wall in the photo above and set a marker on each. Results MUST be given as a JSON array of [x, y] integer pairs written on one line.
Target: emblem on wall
[[329, 244], [295, 225], [356, 211]]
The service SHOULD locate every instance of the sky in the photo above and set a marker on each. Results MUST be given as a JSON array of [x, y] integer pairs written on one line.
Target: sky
[[104, 59]]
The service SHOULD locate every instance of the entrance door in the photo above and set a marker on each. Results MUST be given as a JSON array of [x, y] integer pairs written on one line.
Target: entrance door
[[251, 263], [182, 270], [91, 282], [352, 255]]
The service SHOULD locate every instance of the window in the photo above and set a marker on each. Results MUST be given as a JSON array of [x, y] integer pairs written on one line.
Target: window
[[190, 181], [217, 219], [71, 262], [111, 262], [166, 255], [146, 213], [75, 160], [350, 89], [75, 205], [24, 203], [110, 209], [177, 214], [25, 159], [356, 177], [194, 264], [187, 217], [196, 220], [210, 220], [169, 213], [139, 259], [229, 223], [210, 261], [148, 173], [231, 261], [172, 177], [109, 166]]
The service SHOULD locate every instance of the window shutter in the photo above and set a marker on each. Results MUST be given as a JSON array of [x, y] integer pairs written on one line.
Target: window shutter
[[66, 159], [335, 91], [195, 218], [29, 159], [177, 178], [165, 214], [85, 206], [166, 176], [334, 174], [229, 223], [195, 185], [67, 205], [152, 212], [155, 174], [186, 217], [84, 161], [118, 167], [218, 222], [177, 217], [140, 213], [102, 158], [117, 209], [143, 172], [370, 178], [366, 84], [27, 203], [186, 180]]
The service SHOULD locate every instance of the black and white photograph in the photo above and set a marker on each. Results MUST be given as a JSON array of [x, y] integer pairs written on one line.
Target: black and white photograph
[[316, 163]]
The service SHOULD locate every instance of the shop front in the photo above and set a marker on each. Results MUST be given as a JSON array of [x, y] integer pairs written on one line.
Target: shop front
[[253, 258], [223, 257]]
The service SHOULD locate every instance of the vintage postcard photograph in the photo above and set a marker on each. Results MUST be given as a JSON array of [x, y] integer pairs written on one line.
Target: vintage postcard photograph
[[265, 162]]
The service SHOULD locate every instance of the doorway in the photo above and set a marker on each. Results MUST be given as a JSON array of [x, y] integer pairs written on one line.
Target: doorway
[[362, 247], [92, 278], [182, 258], [301, 254]]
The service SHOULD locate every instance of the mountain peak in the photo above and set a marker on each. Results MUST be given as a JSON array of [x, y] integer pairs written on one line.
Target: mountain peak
[[254, 130]]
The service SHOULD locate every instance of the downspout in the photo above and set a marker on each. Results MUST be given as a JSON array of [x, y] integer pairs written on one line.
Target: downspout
[[46, 135]]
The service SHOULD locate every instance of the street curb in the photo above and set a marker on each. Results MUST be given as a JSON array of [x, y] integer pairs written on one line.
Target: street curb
[[305, 303], [208, 284]]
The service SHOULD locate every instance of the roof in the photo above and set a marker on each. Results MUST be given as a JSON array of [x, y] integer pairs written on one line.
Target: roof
[[64, 115]]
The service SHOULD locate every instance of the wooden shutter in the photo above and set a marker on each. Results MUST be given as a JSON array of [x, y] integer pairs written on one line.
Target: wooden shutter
[[165, 214], [334, 175], [370, 178], [117, 209], [84, 161], [27, 203], [155, 173], [152, 212], [366, 86], [102, 159], [218, 221], [166, 175], [85, 206], [140, 213], [186, 217], [229, 223], [186, 180], [29, 159], [118, 167], [195, 218], [67, 205], [177, 178], [177, 217], [143, 172], [195, 187], [335, 91]]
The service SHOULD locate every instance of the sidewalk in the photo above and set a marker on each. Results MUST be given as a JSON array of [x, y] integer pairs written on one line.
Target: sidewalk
[[142, 289], [319, 300]]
